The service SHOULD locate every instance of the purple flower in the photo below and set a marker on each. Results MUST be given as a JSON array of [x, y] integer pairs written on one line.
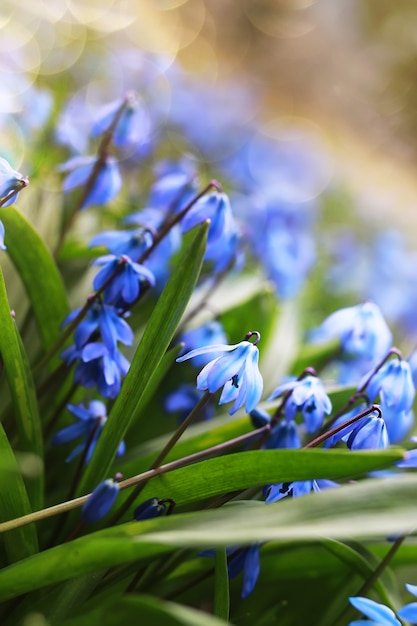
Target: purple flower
[[126, 284], [236, 371], [10, 180], [106, 185]]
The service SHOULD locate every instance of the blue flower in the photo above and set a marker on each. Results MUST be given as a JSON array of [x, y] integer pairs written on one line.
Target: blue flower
[[100, 501], [132, 243], [133, 126], [216, 208], [126, 284], [104, 318], [208, 334], [184, 399], [283, 435], [91, 420], [154, 507], [361, 329], [248, 560], [10, 180], [273, 493], [98, 367], [175, 186], [2, 246], [236, 371], [409, 611], [308, 397], [106, 185], [379, 614], [369, 433], [394, 383]]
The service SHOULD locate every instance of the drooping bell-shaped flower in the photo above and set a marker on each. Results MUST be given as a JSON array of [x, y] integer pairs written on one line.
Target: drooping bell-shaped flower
[[106, 185], [236, 370], [100, 501], [10, 180]]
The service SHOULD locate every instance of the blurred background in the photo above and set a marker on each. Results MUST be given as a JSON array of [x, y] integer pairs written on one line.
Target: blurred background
[[315, 99], [342, 74]]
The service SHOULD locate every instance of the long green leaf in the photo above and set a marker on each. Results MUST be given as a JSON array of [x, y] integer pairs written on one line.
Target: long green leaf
[[146, 609], [244, 470], [221, 604], [373, 508], [155, 341], [25, 408], [14, 502], [39, 274]]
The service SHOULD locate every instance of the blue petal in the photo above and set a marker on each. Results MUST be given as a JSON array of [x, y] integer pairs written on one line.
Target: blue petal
[[380, 613], [409, 612]]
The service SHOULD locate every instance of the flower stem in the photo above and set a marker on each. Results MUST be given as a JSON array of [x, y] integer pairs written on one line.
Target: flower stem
[[57, 509], [360, 393], [323, 437], [102, 155], [163, 454]]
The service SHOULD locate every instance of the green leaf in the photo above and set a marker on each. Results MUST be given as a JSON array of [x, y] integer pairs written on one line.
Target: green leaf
[[155, 341], [25, 408], [39, 274], [373, 508], [146, 609], [243, 470], [221, 603]]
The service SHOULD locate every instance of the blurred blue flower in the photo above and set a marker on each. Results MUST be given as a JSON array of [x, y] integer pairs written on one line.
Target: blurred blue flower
[[127, 282], [98, 367], [106, 185], [394, 383], [208, 334], [248, 560], [133, 127], [2, 246], [409, 611], [100, 501], [283, 435], [184, 399], [236, 371], [132, 243], [216, 208], [308, 397], [175, 186], [10, 180], [361, 329], [105, 319], [91, 419]]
